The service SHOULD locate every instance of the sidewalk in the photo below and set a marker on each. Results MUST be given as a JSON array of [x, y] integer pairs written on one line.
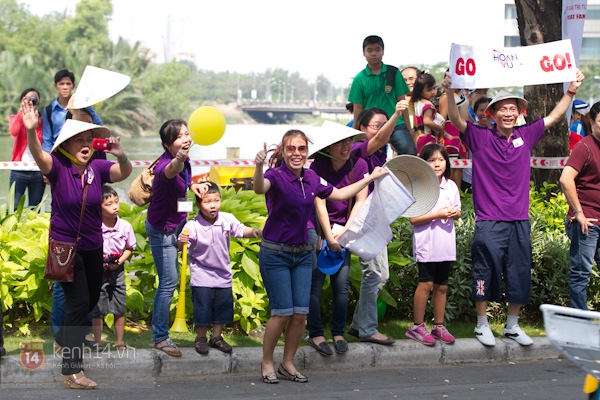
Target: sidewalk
[[138, 363]]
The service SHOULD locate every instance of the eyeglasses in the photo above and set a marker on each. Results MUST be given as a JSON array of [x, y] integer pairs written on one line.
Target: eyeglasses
[[292, 149], [376, 127], [342, 142]]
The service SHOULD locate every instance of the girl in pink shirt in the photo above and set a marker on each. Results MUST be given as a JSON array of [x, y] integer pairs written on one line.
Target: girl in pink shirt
[[434, 246]]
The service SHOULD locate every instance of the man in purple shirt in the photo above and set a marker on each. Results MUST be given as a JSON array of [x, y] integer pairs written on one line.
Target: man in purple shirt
[[501, 173]]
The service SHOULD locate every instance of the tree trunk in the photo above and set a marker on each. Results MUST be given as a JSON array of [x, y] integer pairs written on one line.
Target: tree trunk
[[540, 22]]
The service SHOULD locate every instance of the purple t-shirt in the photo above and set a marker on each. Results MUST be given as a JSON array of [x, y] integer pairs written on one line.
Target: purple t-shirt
[[377, 159], [338, 210], [501, 170], [162, 211], [289, 203], [67, 195], [209, 249]]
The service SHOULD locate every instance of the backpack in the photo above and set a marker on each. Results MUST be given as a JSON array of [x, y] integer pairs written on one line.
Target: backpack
[[390, 78], [49, 117]]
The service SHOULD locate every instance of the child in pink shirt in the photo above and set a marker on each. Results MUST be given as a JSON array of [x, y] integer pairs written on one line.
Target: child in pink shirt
[[210, 269], [434, 246], [118, 243]]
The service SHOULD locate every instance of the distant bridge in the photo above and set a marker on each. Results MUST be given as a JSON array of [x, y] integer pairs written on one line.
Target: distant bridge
[[277, 113]]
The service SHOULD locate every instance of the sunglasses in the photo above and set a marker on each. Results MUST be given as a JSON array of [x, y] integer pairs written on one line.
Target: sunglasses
[[292, 149]]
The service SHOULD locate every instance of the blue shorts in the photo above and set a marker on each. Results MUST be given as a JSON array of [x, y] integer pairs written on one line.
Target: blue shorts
[[501, 249], [287, 278], [212, 305], [436, 272]]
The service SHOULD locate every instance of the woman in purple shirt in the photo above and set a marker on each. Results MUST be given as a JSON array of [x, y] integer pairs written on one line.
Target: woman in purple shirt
[[333, 163], [70, 168], [165, 220], [285, 256], [377, 129]]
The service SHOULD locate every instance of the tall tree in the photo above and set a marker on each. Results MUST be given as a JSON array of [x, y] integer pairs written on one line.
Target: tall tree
[[89, 26], [540, 22], [24, 33]]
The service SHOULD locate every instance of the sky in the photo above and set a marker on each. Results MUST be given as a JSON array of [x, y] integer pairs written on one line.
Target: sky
[[311, 37]]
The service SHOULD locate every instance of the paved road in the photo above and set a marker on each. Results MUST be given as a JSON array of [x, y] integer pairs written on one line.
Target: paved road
[[544, 379]]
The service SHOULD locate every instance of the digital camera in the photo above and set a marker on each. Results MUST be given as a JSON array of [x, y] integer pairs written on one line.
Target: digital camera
[[101, 144]]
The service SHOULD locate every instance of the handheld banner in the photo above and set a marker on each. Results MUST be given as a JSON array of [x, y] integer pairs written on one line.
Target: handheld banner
[[485, 67]]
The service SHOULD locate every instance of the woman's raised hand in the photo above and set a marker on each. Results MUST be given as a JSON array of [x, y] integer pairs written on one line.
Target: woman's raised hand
[[401, 106], [200, 188], [30, 114], [261, 156]]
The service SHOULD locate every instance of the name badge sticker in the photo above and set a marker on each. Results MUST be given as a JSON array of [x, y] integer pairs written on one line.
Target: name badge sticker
[[185, 205], [518, 142]]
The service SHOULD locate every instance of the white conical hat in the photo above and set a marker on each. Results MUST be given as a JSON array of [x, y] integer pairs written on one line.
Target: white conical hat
[[419, 179], [73, 127], [97, 85], [329, 134]]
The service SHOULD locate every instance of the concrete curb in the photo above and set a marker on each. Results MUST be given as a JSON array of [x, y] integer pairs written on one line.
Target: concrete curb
[[145, 363]]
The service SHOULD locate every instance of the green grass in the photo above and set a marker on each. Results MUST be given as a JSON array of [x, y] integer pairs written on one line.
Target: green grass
[[143, 340]]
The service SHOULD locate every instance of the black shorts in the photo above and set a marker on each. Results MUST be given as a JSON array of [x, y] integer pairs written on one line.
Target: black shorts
[[436, 272]]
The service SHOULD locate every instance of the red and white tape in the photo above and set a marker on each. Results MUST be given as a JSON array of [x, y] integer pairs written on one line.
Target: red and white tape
[[536, 162]]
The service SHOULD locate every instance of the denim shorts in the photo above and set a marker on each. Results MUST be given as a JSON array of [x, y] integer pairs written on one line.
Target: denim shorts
[[287, 278], [212, 305]]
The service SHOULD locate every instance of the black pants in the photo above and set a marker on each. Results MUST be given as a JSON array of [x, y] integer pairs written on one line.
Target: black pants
[[81, 297]]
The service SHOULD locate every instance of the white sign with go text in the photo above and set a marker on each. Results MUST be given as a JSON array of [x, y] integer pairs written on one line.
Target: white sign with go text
[[486, 67]]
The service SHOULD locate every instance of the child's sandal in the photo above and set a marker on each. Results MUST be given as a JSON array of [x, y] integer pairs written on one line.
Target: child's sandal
[[78, 381], [220, 344]]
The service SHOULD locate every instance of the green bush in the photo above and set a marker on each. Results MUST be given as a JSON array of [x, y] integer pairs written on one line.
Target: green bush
[[26, 296]]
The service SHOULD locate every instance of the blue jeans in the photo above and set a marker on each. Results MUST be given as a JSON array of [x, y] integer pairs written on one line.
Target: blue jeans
[[59, 304], [375, 274], [28, 180], [402, 140], [339, 301], [286, 277], [583, 252], [163, 246]]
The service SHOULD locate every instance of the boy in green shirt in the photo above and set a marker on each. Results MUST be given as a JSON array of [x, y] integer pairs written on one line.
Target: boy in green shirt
[[382, 86]]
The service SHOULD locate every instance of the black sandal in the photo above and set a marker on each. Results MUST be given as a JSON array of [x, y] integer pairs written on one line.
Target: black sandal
[[220, 344], [201, 345]]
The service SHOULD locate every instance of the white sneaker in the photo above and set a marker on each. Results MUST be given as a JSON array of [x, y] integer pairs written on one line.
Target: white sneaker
[[484, 335], [516, 333]]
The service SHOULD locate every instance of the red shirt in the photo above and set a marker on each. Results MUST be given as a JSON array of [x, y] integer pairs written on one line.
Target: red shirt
[[585, 158], [17, 129]]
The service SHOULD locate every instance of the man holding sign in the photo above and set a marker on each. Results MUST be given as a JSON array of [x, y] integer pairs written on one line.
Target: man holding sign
[[501, 173]]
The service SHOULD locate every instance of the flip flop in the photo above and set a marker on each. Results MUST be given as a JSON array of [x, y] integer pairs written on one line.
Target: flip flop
[[169, 348]]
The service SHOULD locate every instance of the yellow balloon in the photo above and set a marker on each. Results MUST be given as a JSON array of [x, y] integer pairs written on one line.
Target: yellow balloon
[[206, 125]]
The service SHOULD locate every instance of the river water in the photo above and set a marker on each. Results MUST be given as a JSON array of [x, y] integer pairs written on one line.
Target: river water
[[240, 141]]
